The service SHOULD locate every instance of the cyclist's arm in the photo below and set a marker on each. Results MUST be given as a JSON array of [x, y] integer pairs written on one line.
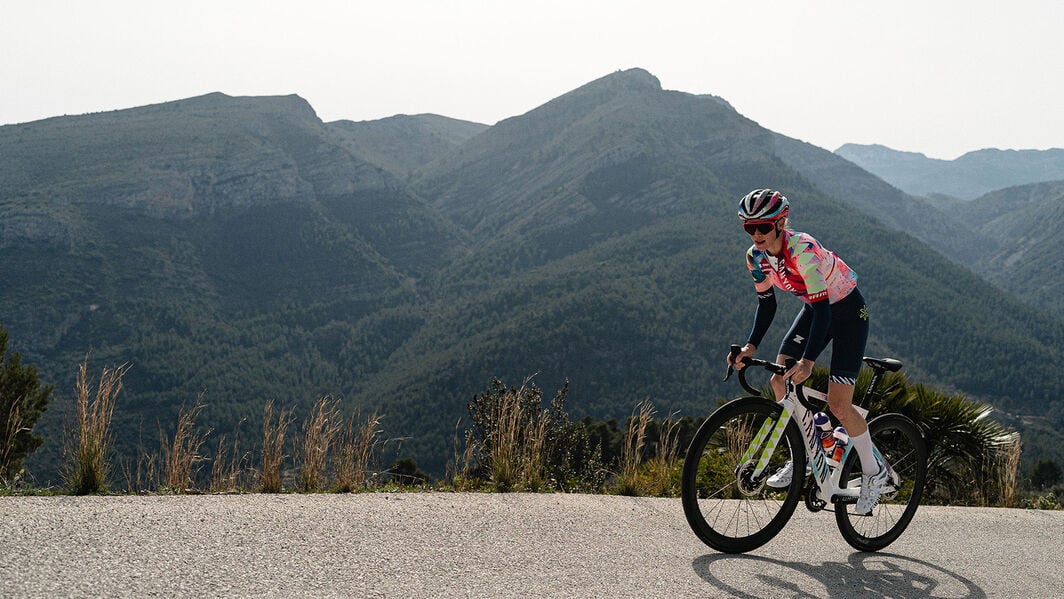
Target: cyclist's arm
[[766, 301], [766, 311]]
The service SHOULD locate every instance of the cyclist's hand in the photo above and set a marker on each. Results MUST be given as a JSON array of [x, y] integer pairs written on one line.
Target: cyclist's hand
[[747, 351], [801, 371]]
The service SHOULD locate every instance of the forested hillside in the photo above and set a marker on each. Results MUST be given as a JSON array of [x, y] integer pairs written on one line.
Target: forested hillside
[[241, 249], [1025, 223]]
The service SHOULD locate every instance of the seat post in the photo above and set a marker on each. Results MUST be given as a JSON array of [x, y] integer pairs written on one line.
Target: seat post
[[877, 375]]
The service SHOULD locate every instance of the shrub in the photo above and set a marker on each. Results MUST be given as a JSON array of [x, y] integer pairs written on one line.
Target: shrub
[[22, 401], [518, 444]]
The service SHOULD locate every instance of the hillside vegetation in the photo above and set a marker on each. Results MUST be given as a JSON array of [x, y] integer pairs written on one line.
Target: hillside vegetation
[[242, 250]]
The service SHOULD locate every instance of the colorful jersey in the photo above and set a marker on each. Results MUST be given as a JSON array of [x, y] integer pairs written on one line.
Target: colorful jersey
[[806, 269]]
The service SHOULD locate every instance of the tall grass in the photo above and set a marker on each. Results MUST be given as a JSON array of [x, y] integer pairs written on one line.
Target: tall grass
[[1005, 466], [662, 481], [356, 445], [514, 447], [228, 466], [273, 434], [632, 451], [89, 444], [461, 470], [181, 454], [141, 474], [13, 426], [319, 431]]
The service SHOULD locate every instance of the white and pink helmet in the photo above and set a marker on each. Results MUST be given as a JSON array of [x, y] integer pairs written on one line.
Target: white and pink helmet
[[763, 205]]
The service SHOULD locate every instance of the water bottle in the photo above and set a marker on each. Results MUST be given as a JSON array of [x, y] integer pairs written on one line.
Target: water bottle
[[841, 441], [824, 432]]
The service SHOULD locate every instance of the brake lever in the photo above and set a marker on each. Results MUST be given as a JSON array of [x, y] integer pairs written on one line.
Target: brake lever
[[734, 351]]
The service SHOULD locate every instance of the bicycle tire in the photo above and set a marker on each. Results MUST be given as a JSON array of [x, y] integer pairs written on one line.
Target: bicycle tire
[[726, 513], [903, 446]]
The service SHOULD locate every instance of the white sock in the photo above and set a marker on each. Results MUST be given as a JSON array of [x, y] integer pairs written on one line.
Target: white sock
[[863, 444]]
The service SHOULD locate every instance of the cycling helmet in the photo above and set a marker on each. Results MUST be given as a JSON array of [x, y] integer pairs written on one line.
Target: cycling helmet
[[763, 204]]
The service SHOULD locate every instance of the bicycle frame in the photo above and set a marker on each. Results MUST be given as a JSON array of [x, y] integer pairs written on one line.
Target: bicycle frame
[[826, 477]]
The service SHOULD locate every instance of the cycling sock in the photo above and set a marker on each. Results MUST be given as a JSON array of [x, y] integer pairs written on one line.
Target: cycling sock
[[863, 444]]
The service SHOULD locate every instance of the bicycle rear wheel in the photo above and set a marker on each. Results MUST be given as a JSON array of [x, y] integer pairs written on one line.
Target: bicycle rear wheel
[[727, 508], [902, 445]]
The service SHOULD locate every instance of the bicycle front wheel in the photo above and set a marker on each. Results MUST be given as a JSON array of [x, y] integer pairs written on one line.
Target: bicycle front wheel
[[728, 507], [902, 445]]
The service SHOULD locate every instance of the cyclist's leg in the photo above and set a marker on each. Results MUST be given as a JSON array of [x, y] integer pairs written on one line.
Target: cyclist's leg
[[794, 343], [849, 329]]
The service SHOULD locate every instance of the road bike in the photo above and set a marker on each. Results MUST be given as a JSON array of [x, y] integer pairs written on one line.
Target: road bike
[[725, 496]]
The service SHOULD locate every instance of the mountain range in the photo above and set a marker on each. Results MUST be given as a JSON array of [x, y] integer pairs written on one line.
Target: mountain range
[[967, 177], [242, 250]]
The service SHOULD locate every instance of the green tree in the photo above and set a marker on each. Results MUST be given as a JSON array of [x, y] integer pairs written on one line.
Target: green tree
[[1045, 474], [22, 401]]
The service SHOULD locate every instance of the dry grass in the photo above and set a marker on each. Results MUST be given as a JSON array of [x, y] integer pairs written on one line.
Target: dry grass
[[1002, 467], [319, 431], [661, 481], [141, 476], [228, 466], [354, 452], [632, 452], [1009, 466], [89, 444], [181, 453], [516, 453], [461, 471], [273, 448]]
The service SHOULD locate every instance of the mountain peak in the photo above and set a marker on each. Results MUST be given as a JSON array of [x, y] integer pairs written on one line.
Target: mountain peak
[[630, 79]]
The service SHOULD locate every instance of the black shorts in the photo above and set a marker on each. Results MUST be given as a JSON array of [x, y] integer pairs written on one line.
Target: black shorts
[[848, 333]]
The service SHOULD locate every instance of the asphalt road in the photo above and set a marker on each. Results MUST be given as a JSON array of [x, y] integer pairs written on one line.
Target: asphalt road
[[495, 545]]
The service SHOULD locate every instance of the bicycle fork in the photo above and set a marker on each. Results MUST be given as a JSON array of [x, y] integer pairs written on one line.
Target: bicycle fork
[[772, 430]]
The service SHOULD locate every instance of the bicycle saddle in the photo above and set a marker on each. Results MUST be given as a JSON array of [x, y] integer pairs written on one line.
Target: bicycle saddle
[[889, 364]]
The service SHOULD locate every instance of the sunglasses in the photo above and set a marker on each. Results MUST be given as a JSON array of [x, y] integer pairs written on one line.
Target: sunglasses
[[762, 228]]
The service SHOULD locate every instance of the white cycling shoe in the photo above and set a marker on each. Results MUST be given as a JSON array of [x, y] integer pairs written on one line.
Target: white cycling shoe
[[871, 488], [782, 478]]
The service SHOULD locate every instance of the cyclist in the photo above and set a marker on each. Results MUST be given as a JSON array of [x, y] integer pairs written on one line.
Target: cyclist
[[833, 310]]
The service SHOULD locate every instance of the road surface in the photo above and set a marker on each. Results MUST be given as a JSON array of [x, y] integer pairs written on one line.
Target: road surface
[[495, 545]]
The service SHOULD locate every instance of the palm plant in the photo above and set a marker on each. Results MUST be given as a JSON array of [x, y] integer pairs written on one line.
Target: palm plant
[[971, 457]]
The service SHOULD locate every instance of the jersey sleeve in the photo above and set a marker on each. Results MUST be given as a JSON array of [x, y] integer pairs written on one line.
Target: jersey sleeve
[[762, 282]]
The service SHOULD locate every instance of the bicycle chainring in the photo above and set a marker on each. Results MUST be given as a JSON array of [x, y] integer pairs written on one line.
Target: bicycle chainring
[[812, 502]]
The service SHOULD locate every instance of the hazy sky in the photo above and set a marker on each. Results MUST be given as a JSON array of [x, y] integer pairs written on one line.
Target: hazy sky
[[941, 77]]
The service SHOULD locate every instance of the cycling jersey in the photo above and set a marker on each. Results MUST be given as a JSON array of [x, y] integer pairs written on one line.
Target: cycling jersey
[[805, 268], [814, 274]]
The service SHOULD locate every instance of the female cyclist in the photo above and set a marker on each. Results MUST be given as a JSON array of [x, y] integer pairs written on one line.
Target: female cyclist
[[834, 311]]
